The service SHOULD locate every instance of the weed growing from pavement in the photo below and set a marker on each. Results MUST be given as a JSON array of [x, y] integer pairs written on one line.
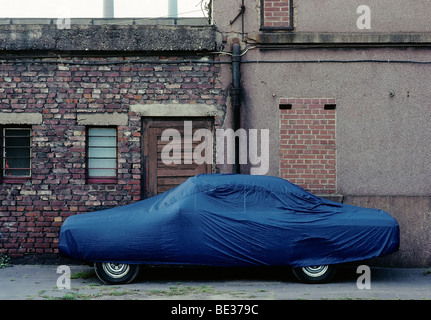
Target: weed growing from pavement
[[4, 261], [83, 275], [184, 290], [190, 290], [103, 292]]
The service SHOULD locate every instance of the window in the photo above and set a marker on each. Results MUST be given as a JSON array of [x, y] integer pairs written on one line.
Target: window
[[276, 15], [102, 155], [16, 154]]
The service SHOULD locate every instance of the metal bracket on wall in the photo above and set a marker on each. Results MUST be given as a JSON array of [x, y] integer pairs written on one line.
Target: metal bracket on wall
[[241, 12]]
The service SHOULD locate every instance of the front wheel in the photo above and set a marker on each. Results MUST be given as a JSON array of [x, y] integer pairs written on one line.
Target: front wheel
[[315, 274], [116, 273]]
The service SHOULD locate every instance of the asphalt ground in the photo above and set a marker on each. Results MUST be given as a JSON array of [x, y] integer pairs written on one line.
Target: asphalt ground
[[47, 282]]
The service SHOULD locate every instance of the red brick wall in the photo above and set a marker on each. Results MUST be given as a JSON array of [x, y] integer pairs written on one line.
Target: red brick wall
[[276, 13], [307, 143], [31, 213]]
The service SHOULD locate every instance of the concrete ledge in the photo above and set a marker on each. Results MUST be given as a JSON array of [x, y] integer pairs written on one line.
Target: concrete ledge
[[20, 118], [105, 37], [176, 110], [102, 119], [319, 38]]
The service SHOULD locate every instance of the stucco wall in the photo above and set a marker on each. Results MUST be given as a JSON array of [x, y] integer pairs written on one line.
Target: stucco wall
[[341, 16], [380, 138], [332, 16], [383, 109]]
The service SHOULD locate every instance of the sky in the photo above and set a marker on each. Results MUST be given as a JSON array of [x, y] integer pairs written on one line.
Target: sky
[[94, 8]]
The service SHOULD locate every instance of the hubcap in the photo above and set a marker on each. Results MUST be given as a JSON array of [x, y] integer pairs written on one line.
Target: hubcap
[[116, 270], [315, 271]]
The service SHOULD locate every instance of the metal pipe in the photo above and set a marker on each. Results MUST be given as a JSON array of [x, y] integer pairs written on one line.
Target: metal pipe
[[108, 9], [173, 8]]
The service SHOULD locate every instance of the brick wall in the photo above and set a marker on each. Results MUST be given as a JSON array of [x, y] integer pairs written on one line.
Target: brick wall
[[276, 13], [32, 212], [307, 143]]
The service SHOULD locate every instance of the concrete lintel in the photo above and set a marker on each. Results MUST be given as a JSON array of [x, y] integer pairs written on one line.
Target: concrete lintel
[[102, 119], [20, 118], [176, 110]]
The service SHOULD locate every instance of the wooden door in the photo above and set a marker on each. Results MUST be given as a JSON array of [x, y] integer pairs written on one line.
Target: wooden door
[[158, 176]]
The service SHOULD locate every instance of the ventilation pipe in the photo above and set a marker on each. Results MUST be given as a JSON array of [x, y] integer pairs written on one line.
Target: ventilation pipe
[[235, 95], [173, 8], [108, 9]]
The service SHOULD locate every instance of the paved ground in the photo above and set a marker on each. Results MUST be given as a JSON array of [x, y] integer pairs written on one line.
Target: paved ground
[[39, 282]]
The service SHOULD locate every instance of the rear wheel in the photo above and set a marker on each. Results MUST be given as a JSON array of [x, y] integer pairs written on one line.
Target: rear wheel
[[116, 273], [315, 274]]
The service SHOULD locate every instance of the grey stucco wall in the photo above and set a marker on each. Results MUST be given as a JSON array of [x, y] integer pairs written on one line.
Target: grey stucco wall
[[332, 16], [383, 109], [382, 140], [341, 16]]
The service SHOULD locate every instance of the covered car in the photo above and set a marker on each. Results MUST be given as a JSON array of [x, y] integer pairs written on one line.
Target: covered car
[[229, 220]]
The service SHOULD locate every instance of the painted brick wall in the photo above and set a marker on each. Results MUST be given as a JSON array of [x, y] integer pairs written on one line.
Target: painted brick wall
[[307, 143], [276, 13], [31, 213]]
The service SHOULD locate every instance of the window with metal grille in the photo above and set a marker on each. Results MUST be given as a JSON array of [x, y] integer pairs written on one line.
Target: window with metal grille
[[101, 155], [16, 154]]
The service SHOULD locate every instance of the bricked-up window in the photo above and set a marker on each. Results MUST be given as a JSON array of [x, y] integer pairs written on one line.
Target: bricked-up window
[[101, 155], [276, 15], [16, 154], [308, 143]]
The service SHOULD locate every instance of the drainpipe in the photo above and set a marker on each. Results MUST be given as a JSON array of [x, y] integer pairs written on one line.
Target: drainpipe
[[235, 95]]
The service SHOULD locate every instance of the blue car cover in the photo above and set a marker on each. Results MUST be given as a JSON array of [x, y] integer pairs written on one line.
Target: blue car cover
[[231, 220]]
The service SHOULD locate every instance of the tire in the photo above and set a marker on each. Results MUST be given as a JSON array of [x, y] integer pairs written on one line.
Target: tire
[[116, 273], [315, 274]]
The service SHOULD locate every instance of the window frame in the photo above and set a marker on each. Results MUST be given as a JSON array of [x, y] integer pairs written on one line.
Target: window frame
[[100, 179], [15, 179], [290, 27]]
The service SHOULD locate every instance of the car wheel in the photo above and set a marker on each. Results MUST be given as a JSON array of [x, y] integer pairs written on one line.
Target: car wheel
[[116, 273], [315, 274]]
